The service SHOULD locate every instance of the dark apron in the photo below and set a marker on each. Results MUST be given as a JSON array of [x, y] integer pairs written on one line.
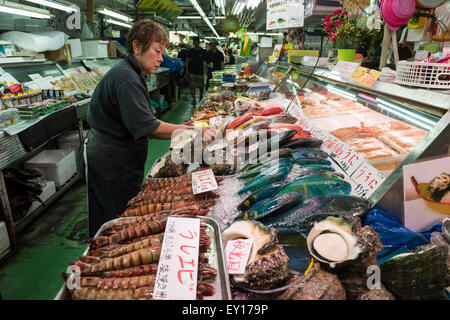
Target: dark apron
[[115, 171]]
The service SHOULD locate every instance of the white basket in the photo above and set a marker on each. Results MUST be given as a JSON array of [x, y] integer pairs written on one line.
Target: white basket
[[424, 75]]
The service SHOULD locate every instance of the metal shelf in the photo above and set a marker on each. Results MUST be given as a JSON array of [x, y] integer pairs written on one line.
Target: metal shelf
[[21, 224]]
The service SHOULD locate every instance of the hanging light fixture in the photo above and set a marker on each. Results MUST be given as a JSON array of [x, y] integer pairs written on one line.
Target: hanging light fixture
[[60, 5], [23, 10], [119, 23], [114, 14]]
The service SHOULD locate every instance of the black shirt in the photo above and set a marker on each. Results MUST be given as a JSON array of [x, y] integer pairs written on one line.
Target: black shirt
[[197, 57], [216, 58], [230, 54], [182, 54], [120, 105]]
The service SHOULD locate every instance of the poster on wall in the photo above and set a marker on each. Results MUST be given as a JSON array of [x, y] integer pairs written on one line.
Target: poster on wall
[[426, 193], [284, 14]]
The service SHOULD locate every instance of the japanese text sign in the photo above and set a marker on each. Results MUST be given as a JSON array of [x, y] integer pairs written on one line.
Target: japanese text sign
[[365, 76], [176, 277], [203, 181], [368, 179], [237, 253]]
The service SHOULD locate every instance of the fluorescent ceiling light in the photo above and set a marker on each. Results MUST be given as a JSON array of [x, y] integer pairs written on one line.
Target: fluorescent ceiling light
[[22, 10], [56, 5], [114, 14], [198, 17], [203, 15], [119, 23]]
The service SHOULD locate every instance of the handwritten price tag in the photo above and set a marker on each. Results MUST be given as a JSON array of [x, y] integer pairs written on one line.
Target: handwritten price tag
[[367, 179], [345, 69], [203, 181], [237, 253], [365, 76], [176, 277]]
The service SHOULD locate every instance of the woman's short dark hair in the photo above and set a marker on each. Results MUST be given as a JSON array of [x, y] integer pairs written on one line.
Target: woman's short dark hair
[[145, 32]]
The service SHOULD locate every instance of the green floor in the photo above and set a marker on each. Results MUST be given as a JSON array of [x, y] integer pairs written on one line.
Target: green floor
[[59, 234]]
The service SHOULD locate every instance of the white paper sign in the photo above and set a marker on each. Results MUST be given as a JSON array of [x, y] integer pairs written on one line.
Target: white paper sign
[[203, 181], [237, 253], [284, 14], [176, 278], [345, 69], [266, 42], [367, 179]]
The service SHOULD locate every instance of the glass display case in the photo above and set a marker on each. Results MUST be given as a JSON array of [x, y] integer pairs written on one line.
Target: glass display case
[[369, 132]]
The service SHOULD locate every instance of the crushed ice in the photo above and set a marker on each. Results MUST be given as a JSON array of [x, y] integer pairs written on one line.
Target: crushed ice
[[225, 210]]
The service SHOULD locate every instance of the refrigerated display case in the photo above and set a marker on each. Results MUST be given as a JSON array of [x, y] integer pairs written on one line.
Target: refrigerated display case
[[370, 132]]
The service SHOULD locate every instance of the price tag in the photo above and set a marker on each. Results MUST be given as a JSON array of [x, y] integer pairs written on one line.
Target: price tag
[[367, 180], [176, 277], [342, 154], [365, 76], [237, 253], [203, 181], [345, 69]]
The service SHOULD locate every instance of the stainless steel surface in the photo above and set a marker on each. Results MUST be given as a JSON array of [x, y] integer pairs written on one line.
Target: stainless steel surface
[[215, 255]]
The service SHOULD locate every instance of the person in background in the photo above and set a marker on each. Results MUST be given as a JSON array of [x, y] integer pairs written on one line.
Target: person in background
[[121, 121], [195, 68], [224, 51], [182, 54], [216, 60], [230, 54]]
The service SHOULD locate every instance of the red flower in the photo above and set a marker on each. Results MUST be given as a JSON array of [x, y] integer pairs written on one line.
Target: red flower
[[338, 11], [327, 18], [328, 26], [338, 23], [344, 13]]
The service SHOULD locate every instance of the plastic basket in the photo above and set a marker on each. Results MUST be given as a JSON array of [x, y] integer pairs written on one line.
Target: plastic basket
[[424, 75]]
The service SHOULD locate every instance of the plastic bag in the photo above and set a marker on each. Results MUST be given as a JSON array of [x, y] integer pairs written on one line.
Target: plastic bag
[[36, 42], [394, 236]]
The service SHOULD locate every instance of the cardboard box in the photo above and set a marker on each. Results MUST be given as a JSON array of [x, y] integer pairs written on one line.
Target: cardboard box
[[112, 49], [63, 53]]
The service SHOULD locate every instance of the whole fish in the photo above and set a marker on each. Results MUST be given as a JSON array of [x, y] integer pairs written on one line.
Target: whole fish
[[309, 152], [312, 166], [278, 177], [268, 172], [270, 164], [302, 142], [250, 122], [259, 195], [309, 160], [284, 118], [317, 185], [273, 206], [320, 172], [264, 157], [302, 217], [279, 139]]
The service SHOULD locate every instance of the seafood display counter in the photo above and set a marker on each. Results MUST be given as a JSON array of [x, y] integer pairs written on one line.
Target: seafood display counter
[[285, 186], [386, 126]]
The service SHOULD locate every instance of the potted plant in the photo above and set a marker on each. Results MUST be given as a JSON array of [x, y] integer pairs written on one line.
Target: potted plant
[[346, 29]]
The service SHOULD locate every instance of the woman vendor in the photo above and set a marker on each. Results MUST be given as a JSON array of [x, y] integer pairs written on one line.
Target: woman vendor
[[121, 121]]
